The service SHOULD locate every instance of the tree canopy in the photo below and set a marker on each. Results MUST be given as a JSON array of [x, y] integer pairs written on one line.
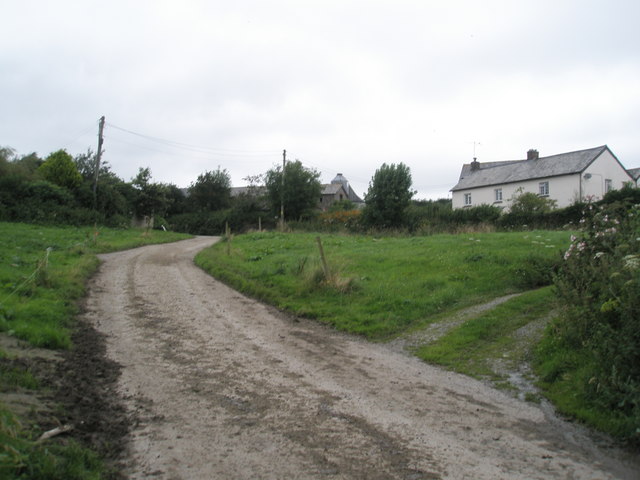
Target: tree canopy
[[388, 196], [301, 192], [59, 168], [211, 191]]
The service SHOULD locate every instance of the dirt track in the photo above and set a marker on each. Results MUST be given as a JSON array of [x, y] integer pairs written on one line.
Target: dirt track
[[224, 387]]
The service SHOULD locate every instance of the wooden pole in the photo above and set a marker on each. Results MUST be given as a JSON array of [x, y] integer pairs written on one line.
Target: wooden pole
[[98, 156], [284, 164], [325, 267]]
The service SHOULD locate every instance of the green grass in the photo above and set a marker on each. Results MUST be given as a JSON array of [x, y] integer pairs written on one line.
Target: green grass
[[475, 346], [38, 301], [383, 285], [564, 371], [43, 271], [23, 458]]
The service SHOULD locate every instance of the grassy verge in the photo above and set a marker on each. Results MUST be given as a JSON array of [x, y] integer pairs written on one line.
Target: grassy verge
[[43, 271], [379, 287], [498, 336], [564, 373]]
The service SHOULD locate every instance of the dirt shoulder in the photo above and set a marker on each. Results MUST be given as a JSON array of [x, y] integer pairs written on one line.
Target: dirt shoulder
[[216, 385]]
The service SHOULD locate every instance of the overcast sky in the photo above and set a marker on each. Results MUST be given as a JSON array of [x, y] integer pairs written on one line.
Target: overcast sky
[[342, 85]]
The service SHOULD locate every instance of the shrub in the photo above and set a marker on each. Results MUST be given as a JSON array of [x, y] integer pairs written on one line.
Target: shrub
[[347, 219], [599, 284], [534, 272]]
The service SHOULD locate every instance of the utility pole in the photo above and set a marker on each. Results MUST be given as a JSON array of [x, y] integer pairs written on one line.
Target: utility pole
[[98, 156], [284, 162]]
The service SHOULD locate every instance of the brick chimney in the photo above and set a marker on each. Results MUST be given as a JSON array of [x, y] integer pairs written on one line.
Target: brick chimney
[[475, 165], [533, 154]]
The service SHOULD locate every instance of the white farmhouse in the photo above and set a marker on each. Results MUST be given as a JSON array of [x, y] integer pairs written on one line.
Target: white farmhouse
[[565, 178]]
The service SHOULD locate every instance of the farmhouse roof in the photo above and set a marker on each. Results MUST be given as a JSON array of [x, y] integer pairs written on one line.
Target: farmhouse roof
[[341, 181], [483, 174], [331, 188], [634, 172]]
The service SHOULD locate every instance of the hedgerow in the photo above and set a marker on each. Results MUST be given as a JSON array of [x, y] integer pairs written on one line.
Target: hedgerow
[[598, 333]]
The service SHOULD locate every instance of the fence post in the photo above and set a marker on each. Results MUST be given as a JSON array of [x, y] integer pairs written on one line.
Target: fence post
[[325, 267]]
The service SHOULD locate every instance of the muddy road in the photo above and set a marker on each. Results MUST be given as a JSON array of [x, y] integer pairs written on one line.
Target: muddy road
[[221, 386]]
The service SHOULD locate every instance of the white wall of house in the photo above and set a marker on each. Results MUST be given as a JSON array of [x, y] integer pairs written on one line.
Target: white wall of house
[[605, 170], [565, 189]]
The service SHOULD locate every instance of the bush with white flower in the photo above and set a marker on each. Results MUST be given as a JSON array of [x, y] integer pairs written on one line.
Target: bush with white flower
[[598, 283]]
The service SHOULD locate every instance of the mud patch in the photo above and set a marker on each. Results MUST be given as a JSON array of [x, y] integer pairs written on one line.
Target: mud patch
[[84, 386]]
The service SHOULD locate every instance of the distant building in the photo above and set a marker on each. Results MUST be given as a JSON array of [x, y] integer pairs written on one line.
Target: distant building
[[339, 189], [565, 178]]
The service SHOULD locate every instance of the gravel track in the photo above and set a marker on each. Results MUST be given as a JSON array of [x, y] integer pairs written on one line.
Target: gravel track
[[221, 386]]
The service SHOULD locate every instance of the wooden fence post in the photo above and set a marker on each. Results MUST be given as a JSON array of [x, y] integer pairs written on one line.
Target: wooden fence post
[[325, 267]]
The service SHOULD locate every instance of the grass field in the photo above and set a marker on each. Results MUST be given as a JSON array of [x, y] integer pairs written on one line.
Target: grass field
[[43, 271], [381, 286]]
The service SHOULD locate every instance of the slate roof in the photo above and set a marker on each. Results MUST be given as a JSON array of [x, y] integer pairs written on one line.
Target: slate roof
[[331, 188], [498, 173], [635, 173], [351, 194]]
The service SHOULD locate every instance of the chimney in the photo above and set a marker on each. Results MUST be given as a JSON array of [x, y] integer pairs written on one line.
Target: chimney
[[475, 165], [533, 154]]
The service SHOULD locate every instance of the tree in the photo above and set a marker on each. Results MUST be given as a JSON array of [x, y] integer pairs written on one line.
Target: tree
[[388, 196], [530, 204], [211, 191], [301, 192], [58, 168], [151, 198]]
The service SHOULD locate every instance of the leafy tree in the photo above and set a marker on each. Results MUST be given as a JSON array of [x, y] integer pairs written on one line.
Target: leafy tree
[[531, 204], [6, 156], [301, 192], [527, 209], [23, 167], [150, 198], [211, 191], [58, 168], [388, 196], [177, 201]]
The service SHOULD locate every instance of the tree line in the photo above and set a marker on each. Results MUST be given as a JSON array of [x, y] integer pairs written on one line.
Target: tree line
[[62, 189]]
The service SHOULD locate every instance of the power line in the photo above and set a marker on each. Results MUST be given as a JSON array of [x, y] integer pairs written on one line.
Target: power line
[[196, 148]]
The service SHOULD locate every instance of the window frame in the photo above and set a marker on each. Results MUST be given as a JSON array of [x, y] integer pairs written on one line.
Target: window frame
[[497, 195], [467, 202], [608, 185], [543, 189]]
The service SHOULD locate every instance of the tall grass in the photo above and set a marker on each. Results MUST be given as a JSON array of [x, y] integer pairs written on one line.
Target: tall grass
[[43, 272], [395, 283]]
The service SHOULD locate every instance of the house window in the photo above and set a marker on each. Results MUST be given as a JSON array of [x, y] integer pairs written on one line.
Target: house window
[[543, 189], [467, 199], [608, 185], [498, 194]]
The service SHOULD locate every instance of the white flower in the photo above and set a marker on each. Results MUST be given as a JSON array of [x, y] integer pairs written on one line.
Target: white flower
[[632, 262]]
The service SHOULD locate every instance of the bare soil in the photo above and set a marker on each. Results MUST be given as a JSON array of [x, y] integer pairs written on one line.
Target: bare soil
[[211, 384]]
